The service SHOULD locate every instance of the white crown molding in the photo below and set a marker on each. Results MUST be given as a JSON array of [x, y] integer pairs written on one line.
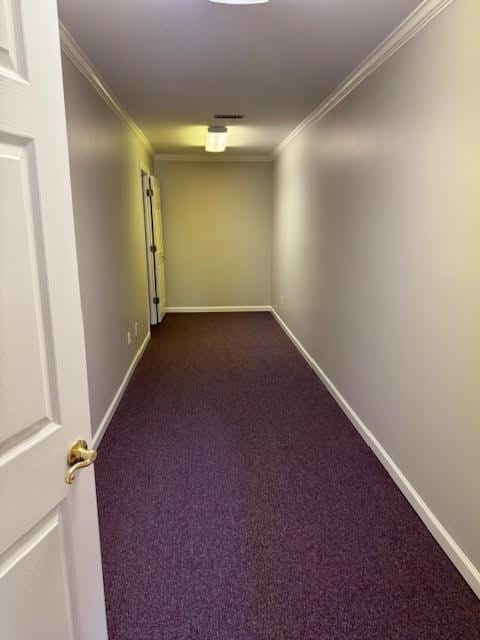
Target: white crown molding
[[71, 48], [204, 157], [418, 19]]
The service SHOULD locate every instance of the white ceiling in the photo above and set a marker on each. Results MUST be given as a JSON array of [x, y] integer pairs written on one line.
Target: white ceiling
[[173, 64]]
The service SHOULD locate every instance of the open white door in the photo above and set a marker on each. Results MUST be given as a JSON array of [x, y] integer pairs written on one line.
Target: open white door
[[155, 251], [160, 253], [50, 569]]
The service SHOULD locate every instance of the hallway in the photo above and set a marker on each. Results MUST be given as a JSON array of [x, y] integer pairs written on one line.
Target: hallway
[[237, 502]]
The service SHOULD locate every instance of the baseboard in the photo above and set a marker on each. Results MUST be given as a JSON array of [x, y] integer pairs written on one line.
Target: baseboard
[[216, 309], [100, 432], [467, 569]]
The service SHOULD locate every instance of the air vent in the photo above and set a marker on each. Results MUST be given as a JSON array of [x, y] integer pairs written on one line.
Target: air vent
[[229, 116]]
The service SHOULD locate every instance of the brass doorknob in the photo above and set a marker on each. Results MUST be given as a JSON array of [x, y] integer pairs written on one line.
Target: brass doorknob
[[79, 456]]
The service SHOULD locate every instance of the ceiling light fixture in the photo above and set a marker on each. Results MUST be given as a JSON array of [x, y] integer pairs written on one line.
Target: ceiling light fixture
[[216, 140], [239, 1]]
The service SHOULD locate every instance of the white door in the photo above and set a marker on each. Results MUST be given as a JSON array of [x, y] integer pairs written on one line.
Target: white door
[[50, 569], [155, 250], [160, 253]]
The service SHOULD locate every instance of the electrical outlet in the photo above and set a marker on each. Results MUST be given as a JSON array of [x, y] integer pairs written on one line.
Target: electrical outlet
[[129, 338], [136, 330], [282, 299]]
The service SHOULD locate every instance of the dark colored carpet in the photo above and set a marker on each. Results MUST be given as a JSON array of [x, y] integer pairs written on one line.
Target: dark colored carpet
[[238, 503]]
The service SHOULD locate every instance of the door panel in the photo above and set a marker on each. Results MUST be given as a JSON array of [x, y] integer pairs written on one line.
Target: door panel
[[29, 471], [22, 326], [50, 568], [12, 56], [23, 576]]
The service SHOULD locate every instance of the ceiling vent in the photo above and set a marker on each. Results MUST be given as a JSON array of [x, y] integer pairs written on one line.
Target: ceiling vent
[[229, 116]]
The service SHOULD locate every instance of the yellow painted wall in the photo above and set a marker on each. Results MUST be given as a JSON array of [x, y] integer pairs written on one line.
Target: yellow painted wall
[[217, 230]]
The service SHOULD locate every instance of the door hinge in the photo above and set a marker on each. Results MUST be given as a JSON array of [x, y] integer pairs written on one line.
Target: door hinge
[[153, 248], [150, 192], [156, 300]]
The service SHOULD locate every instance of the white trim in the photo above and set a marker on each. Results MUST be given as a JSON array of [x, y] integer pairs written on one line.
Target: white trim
[[72, 49], [209, 157], [444, 539], [100, 432], [215, 309], [418, 19], [145, 169]]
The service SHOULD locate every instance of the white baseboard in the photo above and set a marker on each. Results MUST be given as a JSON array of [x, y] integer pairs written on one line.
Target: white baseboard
[[100, 432], [216, 309], [445, 540]]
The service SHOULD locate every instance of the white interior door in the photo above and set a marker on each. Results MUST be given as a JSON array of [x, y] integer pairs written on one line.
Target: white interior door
[[50, 570], [155, 251], [160, 253]]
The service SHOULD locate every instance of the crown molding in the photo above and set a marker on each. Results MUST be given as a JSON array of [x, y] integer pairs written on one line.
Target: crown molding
[[71, 49], [416, 21], [199, 157]]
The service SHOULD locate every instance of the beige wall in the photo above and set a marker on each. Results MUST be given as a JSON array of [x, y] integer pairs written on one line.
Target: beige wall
[[105, 158], [217, 230], [376, 255]]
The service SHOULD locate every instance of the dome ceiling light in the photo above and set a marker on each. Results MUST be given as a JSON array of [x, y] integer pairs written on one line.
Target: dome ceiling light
[[216, 139]]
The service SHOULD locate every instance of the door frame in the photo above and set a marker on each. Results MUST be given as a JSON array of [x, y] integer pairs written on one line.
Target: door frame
[[150, 258], [155, 203]]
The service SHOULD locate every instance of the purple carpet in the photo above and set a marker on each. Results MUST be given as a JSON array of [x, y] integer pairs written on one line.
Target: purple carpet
[[237, 502]]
